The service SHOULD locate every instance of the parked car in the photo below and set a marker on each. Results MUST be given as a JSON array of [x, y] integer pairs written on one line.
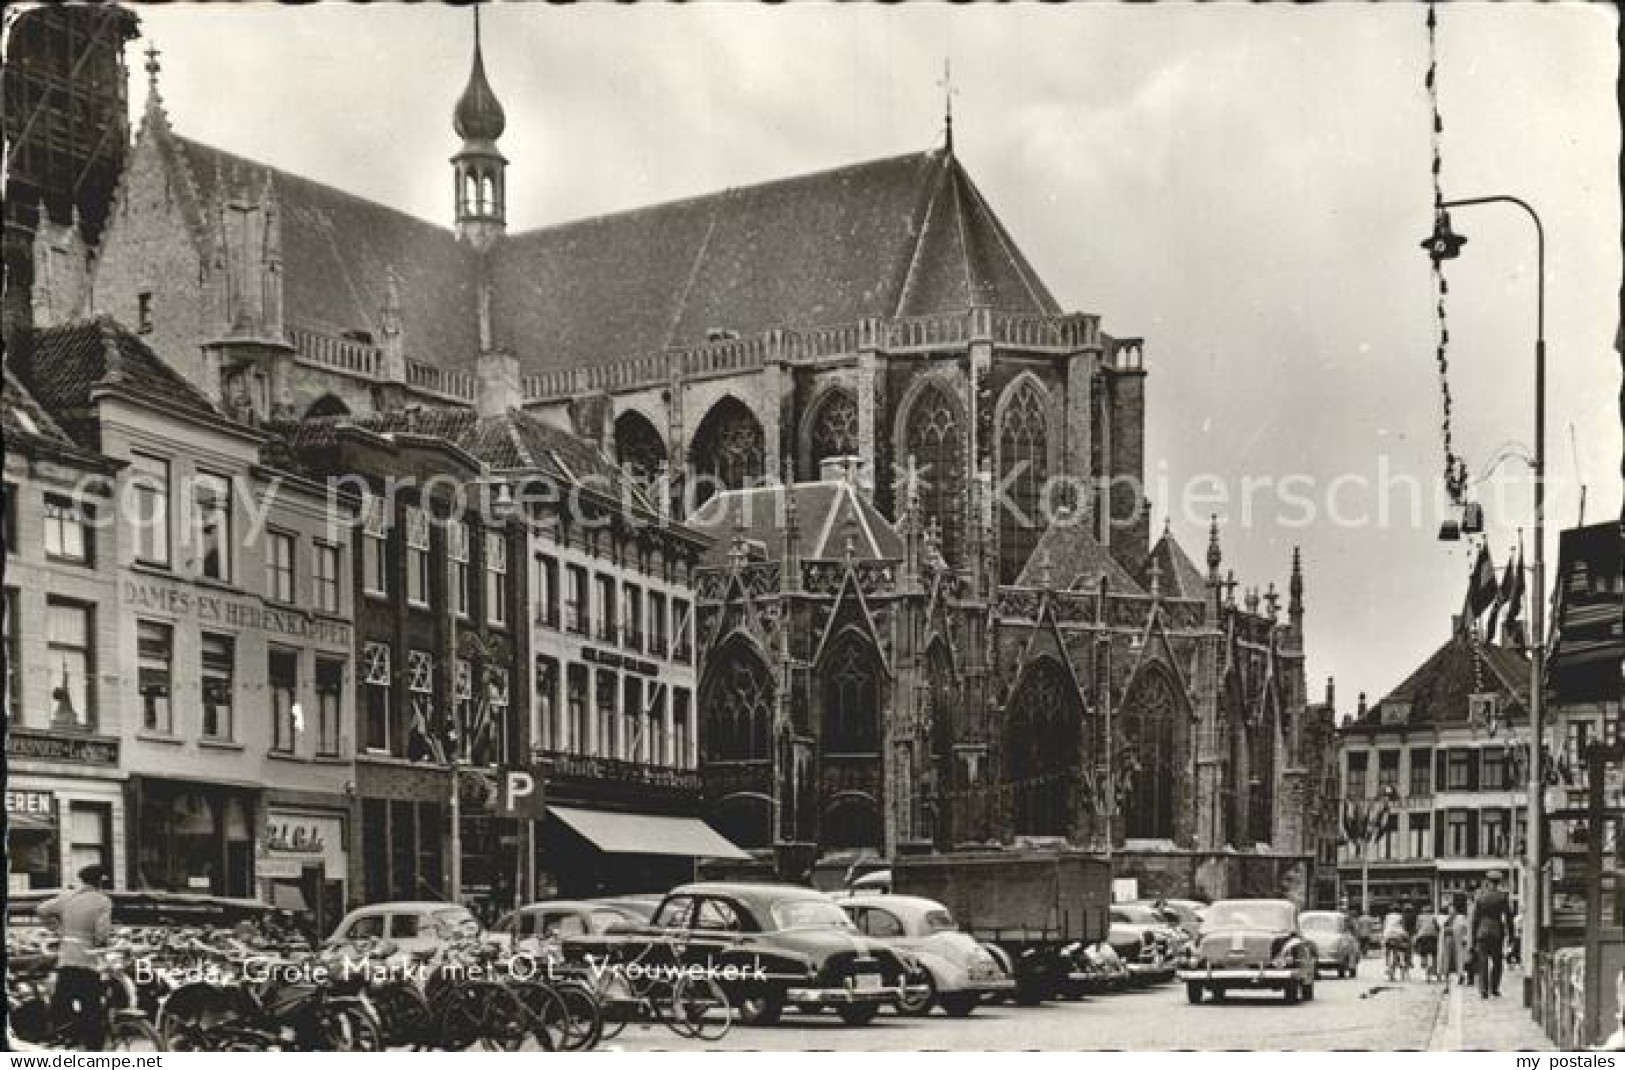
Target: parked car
[[959, 971], [1252, 943], [561, 918], [1094, 968], [410, 926], [1145, 942], [644, 906], [1335, 940], [770, 946], [1183, 914]]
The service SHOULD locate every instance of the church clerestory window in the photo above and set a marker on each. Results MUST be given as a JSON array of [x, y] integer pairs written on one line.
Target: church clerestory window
[[935, 440], [1023, 470]]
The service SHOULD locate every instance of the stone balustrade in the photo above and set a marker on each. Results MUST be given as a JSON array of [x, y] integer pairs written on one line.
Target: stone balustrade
[[345, 355]]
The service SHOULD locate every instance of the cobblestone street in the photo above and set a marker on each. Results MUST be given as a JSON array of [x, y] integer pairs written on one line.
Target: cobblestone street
[[1358, 1014]]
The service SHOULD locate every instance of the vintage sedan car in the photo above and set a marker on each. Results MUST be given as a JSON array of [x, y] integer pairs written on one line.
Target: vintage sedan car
[[1252, 943], [769, 946], [1183, 914], [959, 971], [1335, 939], [1144, 941], [555, 918], [411, 926]]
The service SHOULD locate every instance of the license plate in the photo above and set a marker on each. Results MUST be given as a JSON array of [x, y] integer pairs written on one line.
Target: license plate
[[866, 982]]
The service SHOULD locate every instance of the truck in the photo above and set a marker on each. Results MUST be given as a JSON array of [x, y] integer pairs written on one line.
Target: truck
[[1039, 907]]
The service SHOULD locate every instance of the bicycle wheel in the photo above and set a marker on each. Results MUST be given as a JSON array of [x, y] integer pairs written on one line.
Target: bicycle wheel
[[132, 1033], [403, 1015], [700, 1009], [506, 1021]]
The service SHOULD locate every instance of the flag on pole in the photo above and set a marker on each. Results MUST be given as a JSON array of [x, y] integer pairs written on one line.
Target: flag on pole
[[1482, 590], [1502, 594], [1513, 633]]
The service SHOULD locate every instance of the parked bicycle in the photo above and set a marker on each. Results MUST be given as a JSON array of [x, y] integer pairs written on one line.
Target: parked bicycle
[[31, 1024], [657, 987]]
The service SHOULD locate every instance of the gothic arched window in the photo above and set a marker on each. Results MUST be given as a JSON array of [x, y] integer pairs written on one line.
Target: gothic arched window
[[935, 440], [1043, 750], [851, 699], [851, 820], [832, 429], [638, 446], [728, 448], [1151, 762], [738, 700], [1023, 469], [1261, 794]]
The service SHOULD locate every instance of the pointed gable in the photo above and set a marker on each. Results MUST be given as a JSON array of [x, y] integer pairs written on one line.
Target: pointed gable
[[904, 235], [825, 513], [1437, 692], [1177, 574]]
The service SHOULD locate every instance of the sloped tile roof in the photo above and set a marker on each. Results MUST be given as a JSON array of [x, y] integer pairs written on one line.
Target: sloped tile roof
[[905, 235], [514, 440], [1178, 576], [1438, 690], [826, 513], [338, 250], [1076, 559], [61, 366]]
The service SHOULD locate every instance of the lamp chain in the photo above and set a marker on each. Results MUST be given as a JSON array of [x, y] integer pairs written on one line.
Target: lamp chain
[[1455, 469]]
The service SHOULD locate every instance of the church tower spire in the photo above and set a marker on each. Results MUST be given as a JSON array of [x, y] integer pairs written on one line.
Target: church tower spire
[[479, 167]]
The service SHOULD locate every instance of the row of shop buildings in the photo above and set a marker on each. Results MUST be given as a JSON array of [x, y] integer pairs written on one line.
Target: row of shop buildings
[[244, 658]]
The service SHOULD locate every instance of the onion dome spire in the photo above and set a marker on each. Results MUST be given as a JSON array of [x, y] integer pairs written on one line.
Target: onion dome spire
[[478, 116]]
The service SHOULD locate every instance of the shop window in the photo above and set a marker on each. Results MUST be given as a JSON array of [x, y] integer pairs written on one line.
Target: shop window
[[375, 685], [576, 615], [632, 607], [606, 608], [70, 528], [374, 547], [31, 839], [547, 591], [417, 556], [282, 671], [547, 702], [420, 694], [69, 662], [155, 654], [496, 578], [462, 583], [90, 836], [681, 728], [634, 738], [1421, 772], [329, 705], [681, 635], [211, 512], [325, 567], [14, 660], [657, 624], [149, 486], [576, 711], [219, 670]]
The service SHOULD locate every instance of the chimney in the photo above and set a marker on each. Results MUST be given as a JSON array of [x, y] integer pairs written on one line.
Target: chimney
[[1360, 711], [497, 387], [1331, 694]]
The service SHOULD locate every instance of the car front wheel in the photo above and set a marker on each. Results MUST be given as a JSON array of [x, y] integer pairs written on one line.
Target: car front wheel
[[761, 1008], [1193, 991]]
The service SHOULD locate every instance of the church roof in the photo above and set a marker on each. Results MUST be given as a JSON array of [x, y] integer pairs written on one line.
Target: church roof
[[1438, 690], [62, 366], [826, 513], [908, 235], [1076, 559], [338, 250], [1178, 576]]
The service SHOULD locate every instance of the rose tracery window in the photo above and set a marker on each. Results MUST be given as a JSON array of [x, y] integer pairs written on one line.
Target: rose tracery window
[[728, 448], [1023, 469], [851, 700], [1150, 718], [738, 699], [934, 440], [834, 431], [1043, 751]]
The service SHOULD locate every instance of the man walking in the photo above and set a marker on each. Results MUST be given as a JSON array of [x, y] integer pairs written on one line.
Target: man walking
[[84, 918], [1492, 920]]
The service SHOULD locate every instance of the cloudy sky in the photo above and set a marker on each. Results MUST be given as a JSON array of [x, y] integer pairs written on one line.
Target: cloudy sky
[[1244, 186]]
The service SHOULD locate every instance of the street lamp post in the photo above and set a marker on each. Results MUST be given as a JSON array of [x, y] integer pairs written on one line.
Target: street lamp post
[[1445, 245]]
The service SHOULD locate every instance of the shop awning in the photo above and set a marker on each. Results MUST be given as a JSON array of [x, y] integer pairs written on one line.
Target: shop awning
[[649, 834]]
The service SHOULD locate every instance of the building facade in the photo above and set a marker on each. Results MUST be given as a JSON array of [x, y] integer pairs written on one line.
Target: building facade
[[1449, 750]]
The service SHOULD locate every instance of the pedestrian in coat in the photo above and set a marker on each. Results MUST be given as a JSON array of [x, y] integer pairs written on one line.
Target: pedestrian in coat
[[1492, 921]]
